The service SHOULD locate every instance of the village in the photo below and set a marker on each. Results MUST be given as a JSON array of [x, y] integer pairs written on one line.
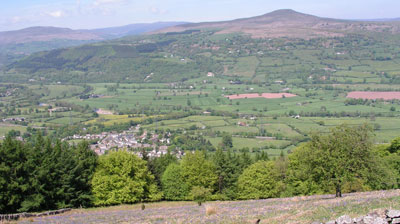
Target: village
[[135, 140]]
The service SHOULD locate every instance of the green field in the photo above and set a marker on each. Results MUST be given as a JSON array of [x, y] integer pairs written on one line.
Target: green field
[[319, 107], [165, 85]]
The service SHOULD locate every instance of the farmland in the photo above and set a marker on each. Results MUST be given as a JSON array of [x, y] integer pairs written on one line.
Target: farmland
[[258, 109], [202, 107], [268, 94], [374, 95], [262, 95]]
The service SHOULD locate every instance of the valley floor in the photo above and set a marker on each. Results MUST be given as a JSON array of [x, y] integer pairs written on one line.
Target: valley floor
[[281, 210]]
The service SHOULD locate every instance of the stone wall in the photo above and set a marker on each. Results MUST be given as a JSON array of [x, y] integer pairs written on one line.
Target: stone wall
[[9, 217]]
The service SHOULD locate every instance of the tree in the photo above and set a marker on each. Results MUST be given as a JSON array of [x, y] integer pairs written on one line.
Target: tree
[[226, 169], [227, 141], [13, 175], [158, 165], [394, 145], [174, 185], [200, 194], [328, 162], [198, 171], [122, 177], [45, 175], [245, 159], [42, 160], [262, 156], [85, 166], [260, 180]]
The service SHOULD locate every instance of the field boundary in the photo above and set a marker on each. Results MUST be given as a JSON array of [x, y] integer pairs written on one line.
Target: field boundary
[[9, 217]]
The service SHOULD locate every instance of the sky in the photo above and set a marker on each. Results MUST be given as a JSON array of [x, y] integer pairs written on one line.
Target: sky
[[89, 14]]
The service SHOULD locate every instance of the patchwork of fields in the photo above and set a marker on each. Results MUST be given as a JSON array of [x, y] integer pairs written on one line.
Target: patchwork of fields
[[270, 95], [273, 124]]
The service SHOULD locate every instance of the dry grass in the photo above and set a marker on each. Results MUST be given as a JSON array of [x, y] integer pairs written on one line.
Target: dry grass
[[321, 208], [211, 210]]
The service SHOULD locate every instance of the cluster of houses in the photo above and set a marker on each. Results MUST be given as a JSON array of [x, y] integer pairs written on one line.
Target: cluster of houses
[[88, 96], [8, 92], [133, 140], [11, 119]]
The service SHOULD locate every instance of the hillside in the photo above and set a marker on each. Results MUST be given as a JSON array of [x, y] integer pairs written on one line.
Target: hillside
[[289, 23], [282, 210], [19, 43], [43, 34], [35, 34], [225, 48], [133, 29]]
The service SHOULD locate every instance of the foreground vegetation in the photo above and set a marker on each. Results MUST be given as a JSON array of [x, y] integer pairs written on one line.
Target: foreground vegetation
[[283, 210], [48, 175]]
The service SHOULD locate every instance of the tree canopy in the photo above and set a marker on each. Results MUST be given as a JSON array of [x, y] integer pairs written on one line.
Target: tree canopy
[[260, 180], [173, 184], [328, 162], [122, 177], [44, 175], [198, 171]]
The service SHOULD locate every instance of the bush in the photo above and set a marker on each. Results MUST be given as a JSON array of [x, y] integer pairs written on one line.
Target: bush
[[200, 194]]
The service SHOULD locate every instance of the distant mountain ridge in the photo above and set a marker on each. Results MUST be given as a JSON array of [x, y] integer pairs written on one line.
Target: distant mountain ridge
[[133, 29], [19, 43], [191, 50], [43, 33], [380, 20], [289, 23]]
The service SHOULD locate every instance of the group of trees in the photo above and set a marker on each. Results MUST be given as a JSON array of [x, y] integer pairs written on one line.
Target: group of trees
[[48, 175], [43, 175], [345, 160]]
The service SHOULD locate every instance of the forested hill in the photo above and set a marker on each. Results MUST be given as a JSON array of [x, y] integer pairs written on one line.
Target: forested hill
[[19, 43], [226, 49]]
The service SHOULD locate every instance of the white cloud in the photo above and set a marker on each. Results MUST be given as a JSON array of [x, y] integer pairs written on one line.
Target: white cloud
[[16, 19], [156, 10], [56, 14], [105, 2]]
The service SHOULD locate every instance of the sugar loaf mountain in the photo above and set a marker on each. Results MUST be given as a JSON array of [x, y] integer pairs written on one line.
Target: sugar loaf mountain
[[190, 50]]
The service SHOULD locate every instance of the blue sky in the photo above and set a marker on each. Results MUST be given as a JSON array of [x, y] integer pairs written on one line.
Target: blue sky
[[84, 14]]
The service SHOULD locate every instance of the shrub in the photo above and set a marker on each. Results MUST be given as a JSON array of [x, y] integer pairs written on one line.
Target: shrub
[[200, 194]]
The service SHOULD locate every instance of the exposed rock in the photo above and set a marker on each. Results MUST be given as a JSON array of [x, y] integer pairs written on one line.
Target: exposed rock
[[358, 220], [393, 213], [372, 220], [344, 219], [395, 221], [376, 217]]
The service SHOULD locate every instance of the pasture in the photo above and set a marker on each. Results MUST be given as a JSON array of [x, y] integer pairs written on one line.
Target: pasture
[[283, 121]]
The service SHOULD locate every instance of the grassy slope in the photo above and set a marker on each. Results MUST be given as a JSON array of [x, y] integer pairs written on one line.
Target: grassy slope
[[282, 210]]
